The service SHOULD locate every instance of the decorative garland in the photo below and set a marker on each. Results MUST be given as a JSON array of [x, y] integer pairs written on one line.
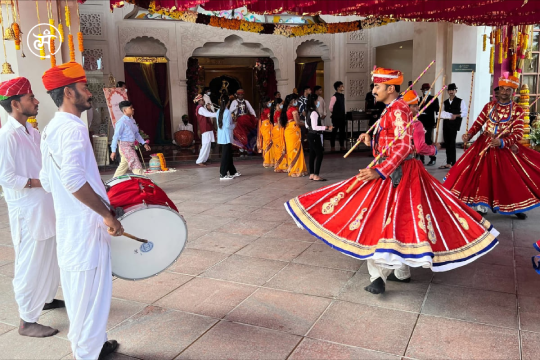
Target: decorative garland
[[270, 29]]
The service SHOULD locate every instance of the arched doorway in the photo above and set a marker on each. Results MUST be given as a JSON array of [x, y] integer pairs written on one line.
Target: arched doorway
[[146, 72], [309, 64], [217, 84]]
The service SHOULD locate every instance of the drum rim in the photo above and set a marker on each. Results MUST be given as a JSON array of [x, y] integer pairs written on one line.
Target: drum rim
[[146, 206], [131, 176]]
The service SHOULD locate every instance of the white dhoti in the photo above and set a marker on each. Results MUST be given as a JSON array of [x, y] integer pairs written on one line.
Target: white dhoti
[[377, 271], [207, 139], [37, 275], [88, 301]]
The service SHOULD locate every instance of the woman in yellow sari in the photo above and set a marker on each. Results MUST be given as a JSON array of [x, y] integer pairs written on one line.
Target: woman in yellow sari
[[264, 138], [278, 139], [290, 120]]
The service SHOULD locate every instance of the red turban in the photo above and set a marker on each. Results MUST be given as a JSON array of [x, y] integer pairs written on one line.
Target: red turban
[[387, 76], [63, 75], [17, 86]]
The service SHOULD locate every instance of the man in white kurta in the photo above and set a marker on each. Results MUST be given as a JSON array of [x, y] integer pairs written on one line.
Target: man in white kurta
[[84, 223], [206, 128], [31, 210]]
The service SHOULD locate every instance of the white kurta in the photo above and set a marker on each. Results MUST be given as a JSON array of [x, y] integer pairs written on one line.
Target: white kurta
[[82, 238], [31, 218], [207, 138], [236, 104]]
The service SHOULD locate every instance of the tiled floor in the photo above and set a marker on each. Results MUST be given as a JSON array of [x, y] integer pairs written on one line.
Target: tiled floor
[[251, 285]]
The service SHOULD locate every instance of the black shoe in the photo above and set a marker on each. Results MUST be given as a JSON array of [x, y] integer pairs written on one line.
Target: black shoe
[[108, 348], [431, 163], [376, 287], [392, 277], [55, 304], [521, 216]]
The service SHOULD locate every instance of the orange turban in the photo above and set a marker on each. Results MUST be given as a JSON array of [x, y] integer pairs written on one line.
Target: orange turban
[[17, 86], [197, 98], [509, 81], [63, 75], [387, 76], [411, 97]]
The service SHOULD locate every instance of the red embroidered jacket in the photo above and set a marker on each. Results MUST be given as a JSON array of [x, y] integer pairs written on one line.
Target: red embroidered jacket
[[393, 122], [499, 118]]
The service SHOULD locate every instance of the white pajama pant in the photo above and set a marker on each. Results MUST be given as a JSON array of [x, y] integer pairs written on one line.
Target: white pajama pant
[[88, 301], [207, 139], [377, 271], [37, 275]]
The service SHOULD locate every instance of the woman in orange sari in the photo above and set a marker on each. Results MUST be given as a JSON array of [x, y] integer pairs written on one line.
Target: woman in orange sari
[[264, 137], [278, 139], [290, 120]]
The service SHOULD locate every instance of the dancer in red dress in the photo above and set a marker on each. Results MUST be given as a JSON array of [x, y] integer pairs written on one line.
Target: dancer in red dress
[[399, 215], [506, 177], [245, 132]]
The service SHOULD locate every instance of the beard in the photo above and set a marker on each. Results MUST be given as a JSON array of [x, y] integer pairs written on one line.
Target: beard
[[29, 112], [81, 103]]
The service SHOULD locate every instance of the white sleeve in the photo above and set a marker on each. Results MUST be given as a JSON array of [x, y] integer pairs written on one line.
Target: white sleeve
[[8, 171], [463, 109], [251, 111], [204, 112], [446, 115], [233, 107], [43, 174], [73, 167]]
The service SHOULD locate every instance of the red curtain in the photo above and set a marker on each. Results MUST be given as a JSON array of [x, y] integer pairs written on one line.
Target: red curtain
[[153, 119]]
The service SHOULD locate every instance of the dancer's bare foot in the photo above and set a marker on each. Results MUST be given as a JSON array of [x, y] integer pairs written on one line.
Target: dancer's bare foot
[[36, 330], [376, 287], [311, 177]]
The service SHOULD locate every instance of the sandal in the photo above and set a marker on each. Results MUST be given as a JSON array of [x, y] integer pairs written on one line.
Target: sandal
[[447, 166], [320, 179]]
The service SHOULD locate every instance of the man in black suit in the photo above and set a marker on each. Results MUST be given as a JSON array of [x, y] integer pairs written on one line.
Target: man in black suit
[[429, 119], [454, 110]]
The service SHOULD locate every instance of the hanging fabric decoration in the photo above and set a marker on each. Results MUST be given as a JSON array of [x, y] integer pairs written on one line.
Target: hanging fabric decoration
[[6, 67]]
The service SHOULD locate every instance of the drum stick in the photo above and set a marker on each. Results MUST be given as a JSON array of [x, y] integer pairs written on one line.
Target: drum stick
[[396, 138], [384, 112], [534, 102], [440, 112], [498, 137], [128, 235], [469, 111]]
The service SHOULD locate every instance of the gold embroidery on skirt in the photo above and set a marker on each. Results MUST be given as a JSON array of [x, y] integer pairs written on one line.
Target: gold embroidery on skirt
[[356, 223], [328, 207], [462, 221], [389, 219], [431, 231], [421, 222]]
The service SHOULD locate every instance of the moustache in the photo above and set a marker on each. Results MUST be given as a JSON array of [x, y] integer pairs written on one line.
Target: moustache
[[375, 94], [90, 99]]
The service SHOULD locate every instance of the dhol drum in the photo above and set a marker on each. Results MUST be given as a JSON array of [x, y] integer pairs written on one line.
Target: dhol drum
[[184, 138], [148, 214]]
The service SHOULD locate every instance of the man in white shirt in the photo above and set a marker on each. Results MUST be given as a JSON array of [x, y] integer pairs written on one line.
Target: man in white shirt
[[185, 125], [31, 210], [84, 222], [454, 110]]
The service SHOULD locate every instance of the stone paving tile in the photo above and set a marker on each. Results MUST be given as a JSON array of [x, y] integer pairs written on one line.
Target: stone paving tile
[[530, 343], [13, 346], [419, 275], [5, 237], [274, 249], [398, 296], [8, 270], [222, 242], [479, 276], [157, 333], [523, 256], [310, 349], [194, 207], [439, 338], [311, 280], [9, 311], [249, 227], [206, 222], [529, 312], [500, 255], [487, 307], [277, 215], [215, 298], [149, 290], [120, 311], [320, 254], [194, 261], [228, 340], [280, 310], [365, 326], [289, 231], [528, 281], [245, 270], [194, 233], [278, 204], [7, 255], [251, 199], [230, 211]]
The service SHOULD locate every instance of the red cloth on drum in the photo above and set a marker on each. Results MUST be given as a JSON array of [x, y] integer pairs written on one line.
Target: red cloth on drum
[[245, 124], [418, 223], [505, 179], [136, 190]]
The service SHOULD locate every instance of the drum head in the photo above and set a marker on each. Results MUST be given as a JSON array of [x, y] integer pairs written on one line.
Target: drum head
[[166, 232]]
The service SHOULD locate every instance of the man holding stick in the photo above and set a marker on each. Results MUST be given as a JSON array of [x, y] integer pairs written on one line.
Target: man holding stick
[[392, 214], [497, 172]]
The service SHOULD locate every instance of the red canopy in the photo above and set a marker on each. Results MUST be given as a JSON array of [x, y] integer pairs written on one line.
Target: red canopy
[[472, 12]]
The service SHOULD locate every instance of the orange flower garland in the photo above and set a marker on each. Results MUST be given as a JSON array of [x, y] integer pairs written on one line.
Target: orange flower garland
[[53, 50], [80, 39], [17, 32], [162, 162], [71, 48]]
